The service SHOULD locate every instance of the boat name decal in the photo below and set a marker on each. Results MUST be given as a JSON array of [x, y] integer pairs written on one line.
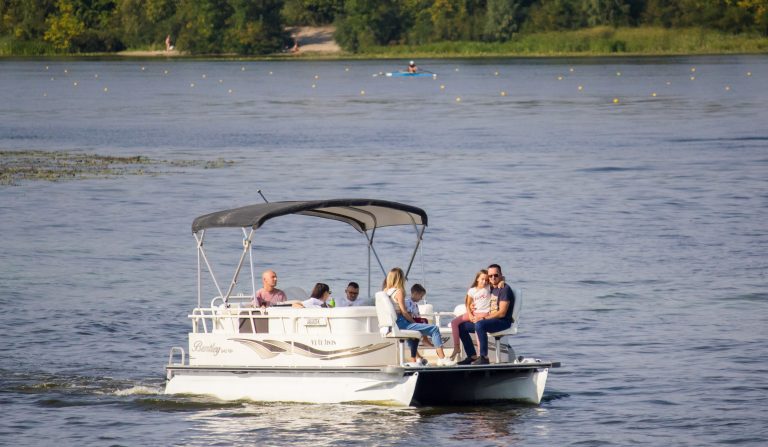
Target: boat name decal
[[271, 348], [213, 348]]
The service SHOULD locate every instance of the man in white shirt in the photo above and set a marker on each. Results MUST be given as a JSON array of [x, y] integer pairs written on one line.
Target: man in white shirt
[[352, 293]]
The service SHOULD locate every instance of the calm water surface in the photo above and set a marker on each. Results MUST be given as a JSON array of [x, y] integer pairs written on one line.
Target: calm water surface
[[637, 229]]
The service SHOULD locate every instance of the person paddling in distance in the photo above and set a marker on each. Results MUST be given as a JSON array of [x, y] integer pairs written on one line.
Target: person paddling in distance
[[477, 303], [499, 318], [412, 68], [394, 287]]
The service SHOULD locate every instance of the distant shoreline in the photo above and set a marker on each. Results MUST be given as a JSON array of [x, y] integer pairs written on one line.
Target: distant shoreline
[[318, 43]]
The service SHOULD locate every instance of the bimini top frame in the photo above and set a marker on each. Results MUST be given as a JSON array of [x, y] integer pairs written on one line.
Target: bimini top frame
[[365, 215]]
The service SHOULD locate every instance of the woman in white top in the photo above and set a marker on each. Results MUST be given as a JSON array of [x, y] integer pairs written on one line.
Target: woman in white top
[[478, 304], [394, 286], [318, 297]]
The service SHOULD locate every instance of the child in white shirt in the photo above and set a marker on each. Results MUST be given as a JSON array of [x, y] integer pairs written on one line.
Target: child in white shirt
[[478, 304]]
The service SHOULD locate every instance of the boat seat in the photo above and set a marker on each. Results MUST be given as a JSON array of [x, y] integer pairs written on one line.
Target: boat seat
[[512, 330], [385, 312], [427, 311]]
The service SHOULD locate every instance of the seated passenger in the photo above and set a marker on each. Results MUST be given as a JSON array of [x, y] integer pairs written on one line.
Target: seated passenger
[[352, 293], [269, 294], [318, 298], [394, 286], [499, 319], [477, 303]]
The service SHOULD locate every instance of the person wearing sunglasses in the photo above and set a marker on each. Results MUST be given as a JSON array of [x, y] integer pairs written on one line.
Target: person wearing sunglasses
[[498, 319]]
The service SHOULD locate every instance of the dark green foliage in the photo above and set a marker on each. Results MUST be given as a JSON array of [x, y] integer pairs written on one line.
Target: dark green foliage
[[311, 12], [257, 26]]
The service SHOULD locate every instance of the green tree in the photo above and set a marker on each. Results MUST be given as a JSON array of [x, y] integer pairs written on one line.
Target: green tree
[[200, 25], [449, 18], [25, 19], [365, 23], [501, 19], [311, 12], [255, 27], [63, 26]]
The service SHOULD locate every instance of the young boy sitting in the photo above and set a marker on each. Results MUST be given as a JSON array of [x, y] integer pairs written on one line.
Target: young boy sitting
[[412, 306]]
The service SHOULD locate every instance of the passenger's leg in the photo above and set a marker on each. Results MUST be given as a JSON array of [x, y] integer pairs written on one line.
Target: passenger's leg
[[483, 327], [466, 340], [455, 329]]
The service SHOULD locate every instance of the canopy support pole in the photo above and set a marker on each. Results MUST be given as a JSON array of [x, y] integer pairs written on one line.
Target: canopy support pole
[[246, 249], [208, 264]]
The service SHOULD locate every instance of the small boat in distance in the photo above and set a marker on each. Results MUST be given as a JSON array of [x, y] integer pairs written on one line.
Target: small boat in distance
[[330, 355], [405, 74]]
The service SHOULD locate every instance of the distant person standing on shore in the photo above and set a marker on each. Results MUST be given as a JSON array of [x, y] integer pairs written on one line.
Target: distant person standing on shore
[[168, 46]]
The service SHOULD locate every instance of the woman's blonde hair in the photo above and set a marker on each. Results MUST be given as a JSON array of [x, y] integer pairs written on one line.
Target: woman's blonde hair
[[477, 275], [395, 278]]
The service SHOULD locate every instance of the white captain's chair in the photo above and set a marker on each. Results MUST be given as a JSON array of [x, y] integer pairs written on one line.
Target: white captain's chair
[[385, 311], [512, 330]]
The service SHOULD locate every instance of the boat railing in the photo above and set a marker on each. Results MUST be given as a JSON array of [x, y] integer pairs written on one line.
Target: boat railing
[[235, 318], [177, 350]]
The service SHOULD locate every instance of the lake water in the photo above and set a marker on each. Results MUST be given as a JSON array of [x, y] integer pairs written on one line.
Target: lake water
[[628, 197]]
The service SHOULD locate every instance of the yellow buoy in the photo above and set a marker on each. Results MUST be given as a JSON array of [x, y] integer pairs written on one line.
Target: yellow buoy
[[693, 69], [66, 71], [191, 84], [618, 73], [270, 73], [106, 89], [496, 73], [581, 87], [346, 68], [727, 88], [559, 78], [442, 87], [693, 78], [143, 68], [204, 76], [749, 73], [615, 100], [75, 83], [229, 91], [653, 94], [314, 85], [46, 67], [165, 71], [362, 92], [242, 68], [458, 99], [503, 93], [317, 76], [571, 69]]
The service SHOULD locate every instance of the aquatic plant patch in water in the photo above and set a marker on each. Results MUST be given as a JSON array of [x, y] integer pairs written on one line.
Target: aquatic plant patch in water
[[17, 166]]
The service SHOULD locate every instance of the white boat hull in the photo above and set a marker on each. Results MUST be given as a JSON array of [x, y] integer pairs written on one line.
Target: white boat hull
[[386, 386], [456, 385]]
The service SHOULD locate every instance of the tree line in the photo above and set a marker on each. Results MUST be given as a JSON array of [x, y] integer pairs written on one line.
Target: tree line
[[259, 26]]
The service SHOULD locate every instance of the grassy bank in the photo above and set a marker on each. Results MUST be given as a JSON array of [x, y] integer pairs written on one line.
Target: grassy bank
[[601, 41]]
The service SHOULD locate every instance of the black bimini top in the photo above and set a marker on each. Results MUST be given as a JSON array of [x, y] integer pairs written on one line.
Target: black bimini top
[[363, 214]]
